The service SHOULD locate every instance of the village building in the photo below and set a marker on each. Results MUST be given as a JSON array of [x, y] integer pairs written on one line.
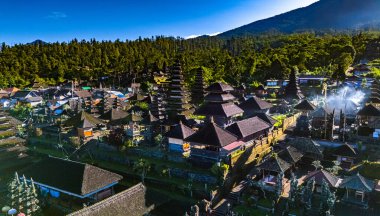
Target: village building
[[219, 105], [70, 180]]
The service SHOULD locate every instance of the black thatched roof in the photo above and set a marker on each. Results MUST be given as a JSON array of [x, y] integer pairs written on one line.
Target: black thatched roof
[[83, 120], [216, 109], [374, 100], [266, 118], [357, 182], [180, 131], [216, 97], [255, 103], [247, 127], [320, 175], [131, 202], [212, 135], [113, 115], [275, 164], [309, 147], [321, 112], [290, 154], [219, 87], [305, 105], [346, 150], [70, 176], [369, 110]]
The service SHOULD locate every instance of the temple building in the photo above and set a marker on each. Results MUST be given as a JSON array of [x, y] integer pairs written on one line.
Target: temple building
[[303, 127], [85, 123], [219, 105], [358, 190], [177, 103], [346, 155], [322, 123], [71, 180], [176, 138], [115, 118], [199, 88], [157, 106], [212, 144], [255, 105], [368, 119], [375, 94], [292, 90]]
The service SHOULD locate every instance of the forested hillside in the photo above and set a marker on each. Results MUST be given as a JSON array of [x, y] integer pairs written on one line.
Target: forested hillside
[[236, 60], [322, 16]]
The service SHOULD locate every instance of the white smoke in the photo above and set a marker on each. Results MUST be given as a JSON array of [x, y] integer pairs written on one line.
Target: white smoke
[[347, 99]]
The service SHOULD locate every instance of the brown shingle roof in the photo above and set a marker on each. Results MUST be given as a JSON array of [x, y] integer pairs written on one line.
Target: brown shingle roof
[[248, 127], [70, 176], [214, 135]]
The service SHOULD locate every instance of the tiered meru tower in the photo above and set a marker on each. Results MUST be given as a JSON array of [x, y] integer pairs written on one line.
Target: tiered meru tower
[[198, 91], [177, 101]]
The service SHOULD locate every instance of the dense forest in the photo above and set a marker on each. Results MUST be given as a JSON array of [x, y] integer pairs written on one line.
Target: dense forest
[[236, 60]]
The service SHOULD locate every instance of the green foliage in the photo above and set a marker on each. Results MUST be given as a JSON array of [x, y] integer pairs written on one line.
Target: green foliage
[[220, 170], [158, 139], [142, 105], [279, 119], [375, 72], [273, 95], [142, 166], [74, 141], [21, 111], [370, 170]]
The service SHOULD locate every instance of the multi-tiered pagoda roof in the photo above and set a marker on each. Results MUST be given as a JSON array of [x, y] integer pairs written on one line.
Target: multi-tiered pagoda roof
[[177, 102], [292, 90], [219, 102], [198, 91]]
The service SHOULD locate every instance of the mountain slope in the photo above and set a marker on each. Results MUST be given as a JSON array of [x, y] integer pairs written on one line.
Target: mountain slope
[[320, 16]]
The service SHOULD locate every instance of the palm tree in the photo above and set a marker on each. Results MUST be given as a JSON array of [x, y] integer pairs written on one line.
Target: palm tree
[[143, 167]]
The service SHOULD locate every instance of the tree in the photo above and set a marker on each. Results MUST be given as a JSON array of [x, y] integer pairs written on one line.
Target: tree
[[317, 164], [158, 139], [335, 168], [142, 166]]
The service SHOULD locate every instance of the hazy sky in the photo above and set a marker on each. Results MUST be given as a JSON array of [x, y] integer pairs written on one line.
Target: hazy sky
[[23, 21]]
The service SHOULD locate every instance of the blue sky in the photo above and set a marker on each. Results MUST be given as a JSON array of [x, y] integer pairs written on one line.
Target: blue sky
[[23, 21]]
